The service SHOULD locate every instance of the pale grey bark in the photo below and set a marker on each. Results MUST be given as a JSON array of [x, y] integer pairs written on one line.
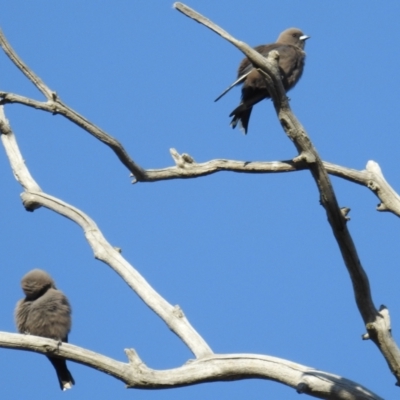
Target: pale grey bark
[[378, 329], [215, 367], [207, 366]]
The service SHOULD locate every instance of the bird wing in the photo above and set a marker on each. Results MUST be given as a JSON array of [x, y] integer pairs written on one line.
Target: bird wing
[[50, 316], [246, 66], [290, 58], [291, 62]]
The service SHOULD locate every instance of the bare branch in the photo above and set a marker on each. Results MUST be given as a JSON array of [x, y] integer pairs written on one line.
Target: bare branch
[[33, 198], [372, 177], [56, 106], [208, 367], [374, 322], [214, 368], [378, 184], [20, 171], [13, 56], [389, 199], [256, 58]]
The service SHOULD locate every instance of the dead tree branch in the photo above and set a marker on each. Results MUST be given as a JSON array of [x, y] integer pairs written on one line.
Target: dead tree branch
[[208, 366], [136, 374], [33, 197], [374, 321], [372, 178], [56, 106], [212, 368]]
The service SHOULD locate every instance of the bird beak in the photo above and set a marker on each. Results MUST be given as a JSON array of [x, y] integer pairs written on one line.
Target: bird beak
[[304, 37]]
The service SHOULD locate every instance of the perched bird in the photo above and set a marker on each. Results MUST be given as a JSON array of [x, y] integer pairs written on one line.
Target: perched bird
[[290, 45], [45, 311]]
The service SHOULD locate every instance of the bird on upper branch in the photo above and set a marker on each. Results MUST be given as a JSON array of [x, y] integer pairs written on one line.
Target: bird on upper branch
[[290, 46]]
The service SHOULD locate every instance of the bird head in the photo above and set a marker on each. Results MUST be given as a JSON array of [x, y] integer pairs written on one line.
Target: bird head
[[293, 36], [36, 282]]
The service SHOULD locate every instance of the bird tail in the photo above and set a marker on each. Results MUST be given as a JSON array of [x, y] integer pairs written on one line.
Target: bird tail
[[239, 80], [241, 115], [64, 376]]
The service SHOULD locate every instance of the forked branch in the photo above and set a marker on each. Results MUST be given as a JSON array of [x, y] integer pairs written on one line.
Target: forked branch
[[390, 201], [56, 106], [207, 367], [33, 197], [136, 374], [374, 321]]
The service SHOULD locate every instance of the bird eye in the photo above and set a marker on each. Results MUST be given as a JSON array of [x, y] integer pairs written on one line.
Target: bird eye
[[294, 34]]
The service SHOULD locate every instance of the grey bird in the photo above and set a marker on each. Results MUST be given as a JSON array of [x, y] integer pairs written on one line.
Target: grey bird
[[290, 46], [46, 312]]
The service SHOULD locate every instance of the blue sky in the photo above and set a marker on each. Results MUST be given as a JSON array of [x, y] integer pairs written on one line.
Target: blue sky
[[249, 258]]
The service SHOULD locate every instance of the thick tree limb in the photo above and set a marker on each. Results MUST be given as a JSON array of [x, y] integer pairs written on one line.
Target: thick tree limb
[[213, 368], [377, 329]]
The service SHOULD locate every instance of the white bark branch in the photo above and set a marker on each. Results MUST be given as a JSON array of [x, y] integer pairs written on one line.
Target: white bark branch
[[208, 367], [56, 106], [34, 198], [216, 367], [373, 320], [390, 200], [49, 94], [136, 374], [372, 177]]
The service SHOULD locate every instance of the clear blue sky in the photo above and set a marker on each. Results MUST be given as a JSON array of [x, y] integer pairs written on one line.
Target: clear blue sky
[[249, 258]]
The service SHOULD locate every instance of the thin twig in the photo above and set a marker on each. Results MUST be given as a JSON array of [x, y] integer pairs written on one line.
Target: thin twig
[[55, 105], [13, 56]]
